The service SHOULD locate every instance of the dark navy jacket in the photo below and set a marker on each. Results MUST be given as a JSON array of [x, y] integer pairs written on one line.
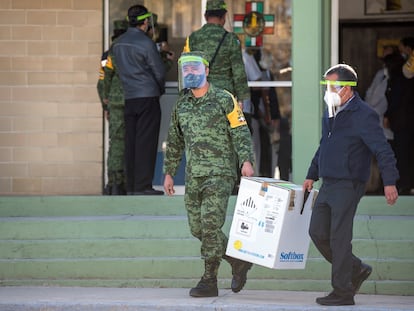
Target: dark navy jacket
[[348, 142]]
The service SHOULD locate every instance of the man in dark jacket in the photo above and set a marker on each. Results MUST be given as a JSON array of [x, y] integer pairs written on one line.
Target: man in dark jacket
[[351, 134], [142, 73]]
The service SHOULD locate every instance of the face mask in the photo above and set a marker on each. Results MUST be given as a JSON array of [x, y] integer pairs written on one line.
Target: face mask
[[193, 81], [332, 100]]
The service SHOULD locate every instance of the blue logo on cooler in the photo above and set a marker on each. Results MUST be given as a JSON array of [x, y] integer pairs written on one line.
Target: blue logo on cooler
[[291, 257]]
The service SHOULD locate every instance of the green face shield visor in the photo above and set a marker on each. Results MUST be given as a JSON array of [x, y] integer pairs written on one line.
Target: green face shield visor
[[328, 84], [142, 17]]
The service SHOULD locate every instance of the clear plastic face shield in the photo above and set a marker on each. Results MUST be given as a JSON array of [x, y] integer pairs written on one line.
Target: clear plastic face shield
[[330, 90], [153, 31], [191, 72]]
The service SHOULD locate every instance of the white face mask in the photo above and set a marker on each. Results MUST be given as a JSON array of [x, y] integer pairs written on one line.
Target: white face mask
[[332, 100]]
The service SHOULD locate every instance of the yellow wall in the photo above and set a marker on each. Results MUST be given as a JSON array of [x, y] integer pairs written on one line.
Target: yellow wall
[[50, 115]]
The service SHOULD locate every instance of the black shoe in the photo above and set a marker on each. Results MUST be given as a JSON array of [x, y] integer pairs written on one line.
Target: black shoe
[[107, 190], [149, 192], [239, 270], [362, 275], [205, 288], [335, 300]]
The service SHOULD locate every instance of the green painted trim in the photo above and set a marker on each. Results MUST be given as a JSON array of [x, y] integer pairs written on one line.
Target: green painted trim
[[308, 58]]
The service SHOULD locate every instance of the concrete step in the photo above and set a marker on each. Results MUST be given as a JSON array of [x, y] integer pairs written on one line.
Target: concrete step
[[175, 247], [32, 206], [132, 226], [177, 267], [145, 242], [177, 299]]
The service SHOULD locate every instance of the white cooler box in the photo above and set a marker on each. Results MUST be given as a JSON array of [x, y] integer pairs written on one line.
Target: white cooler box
[[270, 223]]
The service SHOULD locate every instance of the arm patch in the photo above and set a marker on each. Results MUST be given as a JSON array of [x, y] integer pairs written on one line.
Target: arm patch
[[109, 63], [236, 117]]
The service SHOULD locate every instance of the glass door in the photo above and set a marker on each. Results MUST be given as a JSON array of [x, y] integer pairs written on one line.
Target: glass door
[[264, 30]]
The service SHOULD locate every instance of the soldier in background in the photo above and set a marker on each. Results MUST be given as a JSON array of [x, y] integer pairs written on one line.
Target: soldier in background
[[208, 124], [223, 50], [158, 34], [112, 97]]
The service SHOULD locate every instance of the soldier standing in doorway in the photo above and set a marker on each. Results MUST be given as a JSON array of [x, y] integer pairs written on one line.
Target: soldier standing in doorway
[[112, 94]]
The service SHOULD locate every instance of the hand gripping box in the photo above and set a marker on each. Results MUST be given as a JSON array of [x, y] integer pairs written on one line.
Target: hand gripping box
[[270, 223]]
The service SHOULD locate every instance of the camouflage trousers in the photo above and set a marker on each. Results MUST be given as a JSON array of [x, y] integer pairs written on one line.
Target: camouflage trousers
[[206, 200], [116, 158]]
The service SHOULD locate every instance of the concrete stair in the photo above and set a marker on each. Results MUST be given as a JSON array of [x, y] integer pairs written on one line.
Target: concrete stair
[[132, 241]]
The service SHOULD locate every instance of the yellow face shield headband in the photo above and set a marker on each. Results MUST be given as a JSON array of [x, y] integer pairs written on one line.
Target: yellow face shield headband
[[191, 58], [141, 17], [338, 83]]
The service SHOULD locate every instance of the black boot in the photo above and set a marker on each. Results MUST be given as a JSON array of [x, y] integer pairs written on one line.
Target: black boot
[[107, 190], [118, 189], [239, 270], [207, 286]]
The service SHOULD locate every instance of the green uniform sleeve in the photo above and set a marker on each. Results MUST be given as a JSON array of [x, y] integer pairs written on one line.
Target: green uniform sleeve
[[239, 132], [241, 88], [109, 71], [175, 146], [100, 84], [99, 87]]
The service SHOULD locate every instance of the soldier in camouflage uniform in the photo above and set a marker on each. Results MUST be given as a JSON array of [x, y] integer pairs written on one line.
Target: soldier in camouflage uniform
[[208, 124], [113, 97], [167, 55], [224, 52], [222, 49]]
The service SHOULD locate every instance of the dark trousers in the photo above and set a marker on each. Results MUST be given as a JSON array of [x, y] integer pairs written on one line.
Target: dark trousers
[[331, 229], [404, 152], [142, 126]]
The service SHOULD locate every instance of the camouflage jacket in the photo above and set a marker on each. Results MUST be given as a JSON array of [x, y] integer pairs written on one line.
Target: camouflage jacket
[[112, 85], [227, 71], [213, 133], [100, 84]]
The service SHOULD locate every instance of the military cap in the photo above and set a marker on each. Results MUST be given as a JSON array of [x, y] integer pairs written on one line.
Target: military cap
[[216, 5], [193, 56], [120, 24]]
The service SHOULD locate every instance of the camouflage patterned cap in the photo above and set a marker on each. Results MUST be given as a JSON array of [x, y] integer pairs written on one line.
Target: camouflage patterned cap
[[120, 24], [216, 5]]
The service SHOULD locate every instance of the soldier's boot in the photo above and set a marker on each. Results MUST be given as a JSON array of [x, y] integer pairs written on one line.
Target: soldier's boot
[[107, 190], [207, 286], [118, 189], [118, 184], [239, 270]]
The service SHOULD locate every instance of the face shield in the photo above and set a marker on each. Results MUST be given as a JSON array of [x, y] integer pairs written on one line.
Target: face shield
[[330, 90], [191, 72], [153, 29], [141, 18]]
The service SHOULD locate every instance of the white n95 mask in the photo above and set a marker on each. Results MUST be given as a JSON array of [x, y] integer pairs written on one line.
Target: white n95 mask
[[332, 100]]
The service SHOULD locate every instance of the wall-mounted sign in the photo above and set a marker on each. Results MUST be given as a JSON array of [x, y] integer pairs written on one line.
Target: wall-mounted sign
[[254, 23]]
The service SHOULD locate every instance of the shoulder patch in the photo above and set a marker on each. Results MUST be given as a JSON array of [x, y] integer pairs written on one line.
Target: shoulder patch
[[109, 63], [236, 117]]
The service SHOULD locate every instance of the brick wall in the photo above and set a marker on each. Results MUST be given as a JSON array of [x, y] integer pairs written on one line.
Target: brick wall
[[50, 115]]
